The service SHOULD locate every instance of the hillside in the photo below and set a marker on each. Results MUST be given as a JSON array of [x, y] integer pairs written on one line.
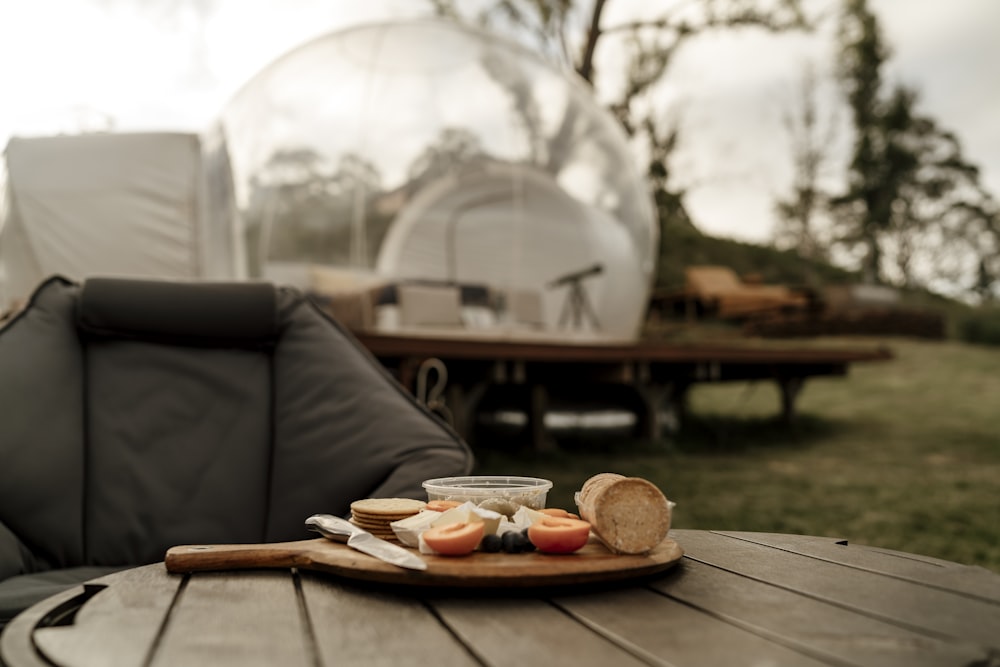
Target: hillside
[[682, 246]]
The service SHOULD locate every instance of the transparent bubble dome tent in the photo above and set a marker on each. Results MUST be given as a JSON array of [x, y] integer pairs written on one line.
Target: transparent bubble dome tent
[[437, 179]]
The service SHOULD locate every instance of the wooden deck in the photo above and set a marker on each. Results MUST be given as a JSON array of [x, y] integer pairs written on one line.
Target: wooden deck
[[659, 372]]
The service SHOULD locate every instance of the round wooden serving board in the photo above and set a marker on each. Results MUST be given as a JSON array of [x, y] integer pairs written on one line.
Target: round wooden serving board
[[591, 564]]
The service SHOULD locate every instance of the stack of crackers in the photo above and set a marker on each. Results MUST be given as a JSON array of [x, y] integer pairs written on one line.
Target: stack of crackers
[[375, 514]]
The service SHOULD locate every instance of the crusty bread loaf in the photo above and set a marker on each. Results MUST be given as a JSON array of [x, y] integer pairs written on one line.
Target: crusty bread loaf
[[630, 515]]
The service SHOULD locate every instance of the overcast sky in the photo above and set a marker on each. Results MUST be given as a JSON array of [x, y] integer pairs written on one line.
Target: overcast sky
[[67, 65]]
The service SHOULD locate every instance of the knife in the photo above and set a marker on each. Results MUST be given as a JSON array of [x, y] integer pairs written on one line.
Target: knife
[[342, 530]]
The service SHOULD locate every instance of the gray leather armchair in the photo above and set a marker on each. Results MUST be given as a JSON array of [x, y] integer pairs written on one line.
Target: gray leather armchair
[[137, 415]]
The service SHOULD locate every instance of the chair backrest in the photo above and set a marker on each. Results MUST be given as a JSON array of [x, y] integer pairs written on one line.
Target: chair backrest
[[141, 414]]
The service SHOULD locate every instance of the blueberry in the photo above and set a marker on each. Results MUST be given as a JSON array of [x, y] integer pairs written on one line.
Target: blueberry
[[516, 542], [491, 544], [528, 544], [511, 543]]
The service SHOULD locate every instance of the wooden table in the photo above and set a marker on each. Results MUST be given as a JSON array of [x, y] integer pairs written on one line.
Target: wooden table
[[660, 373], [734, 599]]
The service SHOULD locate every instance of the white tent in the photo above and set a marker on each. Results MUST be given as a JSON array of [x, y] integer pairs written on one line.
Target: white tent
[[153, 205], [513, 228], [503, 176]]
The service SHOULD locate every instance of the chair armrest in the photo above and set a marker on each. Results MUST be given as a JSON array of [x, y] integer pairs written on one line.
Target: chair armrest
[[422, 463], [15, 558]]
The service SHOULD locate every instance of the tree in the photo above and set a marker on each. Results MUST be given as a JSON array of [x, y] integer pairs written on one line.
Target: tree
[[927, 232], [909, 189], [799, 213], [454, 147], [573, 33], [303, 208], [869, 189]]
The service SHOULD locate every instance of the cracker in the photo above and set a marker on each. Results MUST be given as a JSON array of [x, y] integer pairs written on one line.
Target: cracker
[[387, 506], [382, 536], [375, 518], [375, 514], [373, 526], [365, 523]]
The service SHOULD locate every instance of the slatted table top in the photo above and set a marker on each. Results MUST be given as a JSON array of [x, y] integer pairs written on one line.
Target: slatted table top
[[734, 599]]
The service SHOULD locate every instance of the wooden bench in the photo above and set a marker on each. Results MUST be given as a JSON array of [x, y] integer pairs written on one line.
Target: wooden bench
[[716, 291], [728, 297]]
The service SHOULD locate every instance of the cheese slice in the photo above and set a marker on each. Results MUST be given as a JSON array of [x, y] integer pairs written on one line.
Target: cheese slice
[[408, 530], [525, 516], [469, 513]]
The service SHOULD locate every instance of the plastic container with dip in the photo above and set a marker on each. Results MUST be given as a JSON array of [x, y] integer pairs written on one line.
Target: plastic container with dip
[[495, 492]]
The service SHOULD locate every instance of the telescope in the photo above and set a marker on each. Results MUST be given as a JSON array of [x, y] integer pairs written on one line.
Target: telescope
[[577, 276]]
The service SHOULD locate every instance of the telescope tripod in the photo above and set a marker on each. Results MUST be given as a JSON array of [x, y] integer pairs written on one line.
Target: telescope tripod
[[577, 307]]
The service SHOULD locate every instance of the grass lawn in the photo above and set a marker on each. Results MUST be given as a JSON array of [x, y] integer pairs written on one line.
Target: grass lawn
[[903, 454]]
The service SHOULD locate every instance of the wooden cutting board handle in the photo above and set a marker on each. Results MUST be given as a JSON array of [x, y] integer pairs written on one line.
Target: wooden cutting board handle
[[209, 557]]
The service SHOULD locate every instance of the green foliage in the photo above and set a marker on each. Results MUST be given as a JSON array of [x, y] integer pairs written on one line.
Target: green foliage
[[981, 326], [681, 246]]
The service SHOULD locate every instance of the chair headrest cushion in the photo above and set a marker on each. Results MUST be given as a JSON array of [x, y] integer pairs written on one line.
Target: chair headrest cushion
[[191, 313]]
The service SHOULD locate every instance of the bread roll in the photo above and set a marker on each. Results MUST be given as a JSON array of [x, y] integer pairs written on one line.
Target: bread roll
[[630, 515]]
